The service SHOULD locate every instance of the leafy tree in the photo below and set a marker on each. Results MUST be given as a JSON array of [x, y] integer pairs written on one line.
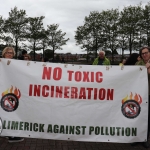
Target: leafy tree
[[110, 24], [1, 28], [91, 35], [122, 35], [35, 33], [55, 38], [131, 15], [15, 26], [44, 41], [82, 39], [145, 23], [3, 38], [99, 31]]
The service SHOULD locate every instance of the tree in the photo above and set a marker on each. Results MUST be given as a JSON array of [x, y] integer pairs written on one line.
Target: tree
[[55, 38], [91, 35], [99, 31], [3, 38], [44, 41], [145, 23], [122, 37], [35, 33], [110, 24], [15, 26], [1, 28], [132, 16]]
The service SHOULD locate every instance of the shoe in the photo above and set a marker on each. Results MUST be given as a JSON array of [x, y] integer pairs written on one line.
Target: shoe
[[134, 144], [145, 144], [15, 139]]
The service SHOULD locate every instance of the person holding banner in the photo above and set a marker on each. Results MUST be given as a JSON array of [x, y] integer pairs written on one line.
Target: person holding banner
[[101, 60], [24, 53], [134, 57], [145, 60], [27, 57], [122, 62], [9, 53]]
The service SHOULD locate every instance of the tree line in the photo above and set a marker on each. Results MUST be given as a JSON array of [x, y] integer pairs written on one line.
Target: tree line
[[128, 29], [29, 33]]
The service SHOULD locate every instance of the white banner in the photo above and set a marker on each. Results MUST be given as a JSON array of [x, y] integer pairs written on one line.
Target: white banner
[[73, 102]]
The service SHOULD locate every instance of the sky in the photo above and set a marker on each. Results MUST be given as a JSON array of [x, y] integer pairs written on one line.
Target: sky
[[69, 14]]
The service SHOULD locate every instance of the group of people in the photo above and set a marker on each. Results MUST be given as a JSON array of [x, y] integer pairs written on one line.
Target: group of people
[[134, 57], [143, 58], [102, 60], [27, 57]]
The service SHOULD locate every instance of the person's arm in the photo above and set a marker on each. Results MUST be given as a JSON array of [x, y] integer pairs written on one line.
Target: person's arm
[[95, 62], [148, 67], [148, 70]]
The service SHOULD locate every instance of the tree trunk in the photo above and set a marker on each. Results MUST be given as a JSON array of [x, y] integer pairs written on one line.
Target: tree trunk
[[16, 48], [34, 51], [43, 53], [53, 53]]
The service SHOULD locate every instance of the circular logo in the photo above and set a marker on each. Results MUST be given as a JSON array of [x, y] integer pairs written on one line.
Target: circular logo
[[9, 102], [131, 109]]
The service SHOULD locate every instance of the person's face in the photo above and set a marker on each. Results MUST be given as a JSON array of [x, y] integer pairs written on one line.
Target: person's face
[[123, 61], [26, 58], [145, 54], [101, 55], [9, 54]]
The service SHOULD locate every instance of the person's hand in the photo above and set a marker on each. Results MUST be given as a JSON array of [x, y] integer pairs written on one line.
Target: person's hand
[[147, 65], [148, 70]]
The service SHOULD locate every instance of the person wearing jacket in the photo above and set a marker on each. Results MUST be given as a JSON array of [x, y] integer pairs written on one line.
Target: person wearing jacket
[[101, 60], [145, 61], [9, 53]]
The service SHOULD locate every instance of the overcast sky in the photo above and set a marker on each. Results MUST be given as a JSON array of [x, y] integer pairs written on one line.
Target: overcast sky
[[69, 14]]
